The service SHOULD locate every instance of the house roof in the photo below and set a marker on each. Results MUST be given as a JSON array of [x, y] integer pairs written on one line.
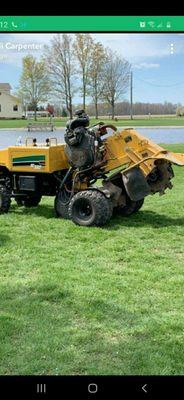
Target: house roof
[[10, 96], [15, 98], [5, 86]]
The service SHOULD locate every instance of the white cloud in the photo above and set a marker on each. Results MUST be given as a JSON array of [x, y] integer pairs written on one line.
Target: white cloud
[[137, 47], [146, 65]]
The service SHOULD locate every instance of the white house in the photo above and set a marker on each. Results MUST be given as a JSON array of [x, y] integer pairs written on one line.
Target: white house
[[10, 106]]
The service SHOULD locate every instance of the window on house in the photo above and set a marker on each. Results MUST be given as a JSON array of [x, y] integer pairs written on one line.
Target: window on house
[[0, 107], [15, 108]]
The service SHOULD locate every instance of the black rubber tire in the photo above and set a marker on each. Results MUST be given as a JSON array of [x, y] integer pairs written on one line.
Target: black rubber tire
[[131, 207], [61, 204], [89, 208], [5, 199], [19, 202], [31, 201], [138, 205]]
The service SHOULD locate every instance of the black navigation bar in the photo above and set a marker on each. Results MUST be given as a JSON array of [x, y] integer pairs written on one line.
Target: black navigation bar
[[90, 387]]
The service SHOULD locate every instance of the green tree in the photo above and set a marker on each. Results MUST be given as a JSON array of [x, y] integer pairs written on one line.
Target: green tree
[[64, 113], [83, 46], [34, 82], [96, 76], [180, 111]]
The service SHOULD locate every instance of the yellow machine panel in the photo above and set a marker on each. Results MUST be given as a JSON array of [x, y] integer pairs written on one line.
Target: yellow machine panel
[[128, 148], [31, 159]]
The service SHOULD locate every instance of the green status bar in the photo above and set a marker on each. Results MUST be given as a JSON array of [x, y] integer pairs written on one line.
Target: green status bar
[[88, 23]]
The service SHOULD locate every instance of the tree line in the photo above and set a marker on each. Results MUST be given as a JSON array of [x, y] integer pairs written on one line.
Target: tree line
[[123, 108], [74, 64]]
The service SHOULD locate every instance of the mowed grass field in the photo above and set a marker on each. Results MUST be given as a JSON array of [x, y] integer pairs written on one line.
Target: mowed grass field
[[109, 300], [137, 121]]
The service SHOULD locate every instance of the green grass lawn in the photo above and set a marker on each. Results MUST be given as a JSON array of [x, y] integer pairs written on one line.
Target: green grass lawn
[[76, 300], [61, 122]]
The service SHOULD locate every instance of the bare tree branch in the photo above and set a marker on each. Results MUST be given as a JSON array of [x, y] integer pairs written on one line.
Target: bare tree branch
[[116, 78], [60, 64]]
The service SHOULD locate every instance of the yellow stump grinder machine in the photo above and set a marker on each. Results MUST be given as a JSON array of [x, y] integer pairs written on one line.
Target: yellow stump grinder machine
[[93, 175]]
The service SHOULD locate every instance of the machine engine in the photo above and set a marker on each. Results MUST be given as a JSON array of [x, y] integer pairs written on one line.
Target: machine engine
[[80, 142]]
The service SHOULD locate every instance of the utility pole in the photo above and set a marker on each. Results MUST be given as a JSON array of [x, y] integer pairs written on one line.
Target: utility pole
[[131, 95]]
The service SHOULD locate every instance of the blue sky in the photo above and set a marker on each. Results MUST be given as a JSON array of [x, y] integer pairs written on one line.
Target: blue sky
[[158, 75]]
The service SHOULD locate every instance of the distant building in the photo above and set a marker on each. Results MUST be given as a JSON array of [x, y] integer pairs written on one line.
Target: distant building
[[10, 106]]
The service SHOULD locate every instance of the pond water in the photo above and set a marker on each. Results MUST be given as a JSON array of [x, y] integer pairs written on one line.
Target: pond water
[[158, 135]]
